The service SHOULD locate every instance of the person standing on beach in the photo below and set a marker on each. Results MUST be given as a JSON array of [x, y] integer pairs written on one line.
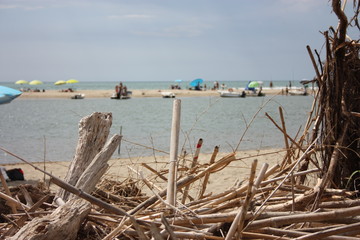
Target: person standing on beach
[[125, 91], [120, 90], [116, 89], [271, 84]]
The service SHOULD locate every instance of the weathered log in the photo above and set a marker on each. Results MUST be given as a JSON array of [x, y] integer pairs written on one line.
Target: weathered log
[[62, 224], [66, 186], [92, 174], [20, 222], [93, 133]]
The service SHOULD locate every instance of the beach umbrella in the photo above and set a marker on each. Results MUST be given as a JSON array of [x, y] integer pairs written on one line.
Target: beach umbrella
[[8, 94], [196, 82], [60, 82], [21, 82], [72, 81], [253, 84], [35, 82]]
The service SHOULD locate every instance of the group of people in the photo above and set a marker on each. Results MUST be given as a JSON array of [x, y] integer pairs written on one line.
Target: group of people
[[176, 86], [31, 90], [121, 90]]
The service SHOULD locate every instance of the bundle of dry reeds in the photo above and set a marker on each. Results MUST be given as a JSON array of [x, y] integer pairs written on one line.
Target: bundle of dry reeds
[[269, 204]]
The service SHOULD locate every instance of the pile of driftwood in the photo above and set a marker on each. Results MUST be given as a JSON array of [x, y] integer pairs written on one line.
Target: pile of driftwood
[[270, 203]]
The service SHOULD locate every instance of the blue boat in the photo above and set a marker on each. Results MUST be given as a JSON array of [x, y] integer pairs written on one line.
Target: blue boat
[[8, 94]]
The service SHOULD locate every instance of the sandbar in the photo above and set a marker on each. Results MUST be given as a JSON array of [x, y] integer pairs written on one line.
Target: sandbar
[[135, 93]]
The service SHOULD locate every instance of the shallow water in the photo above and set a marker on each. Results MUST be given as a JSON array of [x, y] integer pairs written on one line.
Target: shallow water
[[48, 128]]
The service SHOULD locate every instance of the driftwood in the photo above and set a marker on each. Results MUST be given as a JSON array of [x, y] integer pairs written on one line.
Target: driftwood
[[65, 222], [93, 173], [69, 216], [20, 222], [93, 133]]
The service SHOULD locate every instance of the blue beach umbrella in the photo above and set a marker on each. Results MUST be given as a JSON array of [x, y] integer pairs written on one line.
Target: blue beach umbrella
[[196, 82], [8, 94]]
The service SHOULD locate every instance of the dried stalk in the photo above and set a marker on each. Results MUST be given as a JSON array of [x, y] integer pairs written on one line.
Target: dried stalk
[[239, 219]]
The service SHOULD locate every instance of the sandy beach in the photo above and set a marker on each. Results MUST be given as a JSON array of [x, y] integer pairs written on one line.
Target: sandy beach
[[135, 93], [119, 169]]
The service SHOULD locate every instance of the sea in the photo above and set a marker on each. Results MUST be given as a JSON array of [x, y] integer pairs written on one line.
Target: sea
[[47, 129]]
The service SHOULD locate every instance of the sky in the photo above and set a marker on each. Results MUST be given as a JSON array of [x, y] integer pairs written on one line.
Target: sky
[[160, 40]]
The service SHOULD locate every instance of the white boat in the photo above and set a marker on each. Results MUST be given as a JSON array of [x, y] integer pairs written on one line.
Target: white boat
[[126, 96], [78, 96], [298, 92], [167, 94], [231, 94]]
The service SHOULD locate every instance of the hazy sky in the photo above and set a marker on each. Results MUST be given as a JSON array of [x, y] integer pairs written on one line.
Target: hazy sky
[[160, 40]]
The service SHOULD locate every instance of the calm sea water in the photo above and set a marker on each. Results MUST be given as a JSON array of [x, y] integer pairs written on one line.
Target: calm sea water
[[48, 128]]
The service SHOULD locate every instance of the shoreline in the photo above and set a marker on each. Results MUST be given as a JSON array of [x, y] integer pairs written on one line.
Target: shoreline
[[136, 93], [119, 167]]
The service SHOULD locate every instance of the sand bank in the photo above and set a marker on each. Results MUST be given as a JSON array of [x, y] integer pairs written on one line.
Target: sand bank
[[118, 170], [135, 93]]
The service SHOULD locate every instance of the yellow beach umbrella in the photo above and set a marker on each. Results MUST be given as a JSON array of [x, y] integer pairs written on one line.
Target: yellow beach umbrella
[[21, 82], [35, 82], [72, 81], [60, 82]]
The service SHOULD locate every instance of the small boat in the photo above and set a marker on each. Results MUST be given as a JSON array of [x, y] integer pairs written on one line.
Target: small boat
[[298, 92], [168, 94], [78, 96], [127, 96], [231, 94]]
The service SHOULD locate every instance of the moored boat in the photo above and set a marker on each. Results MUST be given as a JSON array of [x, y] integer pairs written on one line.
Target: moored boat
[[298, 92], [78, 96], [126, 96], [167, 94], [231, 94]]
